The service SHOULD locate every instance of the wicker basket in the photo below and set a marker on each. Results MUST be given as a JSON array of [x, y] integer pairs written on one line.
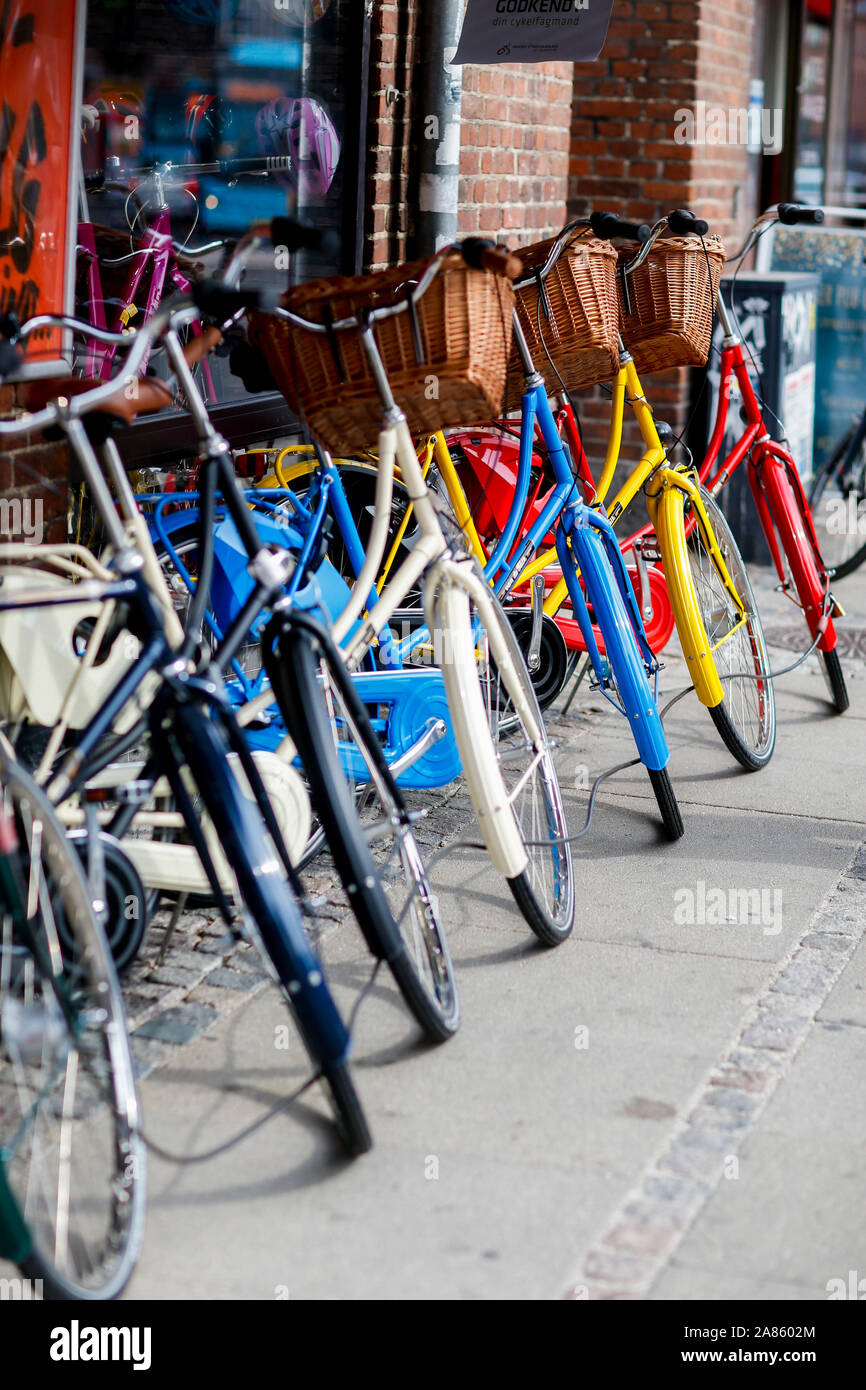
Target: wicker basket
[[463, 329], [672, 299], [575, 320]]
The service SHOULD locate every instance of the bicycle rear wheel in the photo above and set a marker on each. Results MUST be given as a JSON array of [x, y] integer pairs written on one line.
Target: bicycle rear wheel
[[746, 717], [368, 824], [838, 502], [73, 1162], [544, 890], [807, 573]]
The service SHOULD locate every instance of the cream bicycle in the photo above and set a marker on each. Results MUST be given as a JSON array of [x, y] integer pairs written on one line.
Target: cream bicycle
[[504, 747]]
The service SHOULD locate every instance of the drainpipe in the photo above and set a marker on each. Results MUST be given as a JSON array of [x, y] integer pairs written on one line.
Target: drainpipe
[[438, 124]]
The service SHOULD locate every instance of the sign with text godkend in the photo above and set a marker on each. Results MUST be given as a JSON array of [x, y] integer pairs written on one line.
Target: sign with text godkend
[[533, 31]]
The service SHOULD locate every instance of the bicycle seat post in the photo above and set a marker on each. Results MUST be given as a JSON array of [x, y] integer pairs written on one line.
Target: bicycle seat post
[[533, 376]]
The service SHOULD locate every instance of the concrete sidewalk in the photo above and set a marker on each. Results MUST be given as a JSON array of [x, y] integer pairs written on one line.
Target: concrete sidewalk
[[669, 1106], [661, 1108]]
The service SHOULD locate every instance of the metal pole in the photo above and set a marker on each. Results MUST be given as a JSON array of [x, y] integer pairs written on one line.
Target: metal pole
[[438, 125]]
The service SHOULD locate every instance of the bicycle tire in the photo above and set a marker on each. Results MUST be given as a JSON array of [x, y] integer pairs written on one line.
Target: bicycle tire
[[322, 710], [350, 1118], [667, 802], [827, 488], [84, 1273], [549, 914], [747, 659], [276, 926], [809, 577], [831, 668]]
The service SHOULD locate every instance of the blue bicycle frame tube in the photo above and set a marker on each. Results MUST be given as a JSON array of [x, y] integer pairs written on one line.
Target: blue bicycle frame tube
[[587, 553]]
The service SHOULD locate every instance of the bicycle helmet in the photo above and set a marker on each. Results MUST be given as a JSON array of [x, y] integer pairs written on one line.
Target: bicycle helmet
[[314, 147], [208, 117], [302, 129], [272, 134]]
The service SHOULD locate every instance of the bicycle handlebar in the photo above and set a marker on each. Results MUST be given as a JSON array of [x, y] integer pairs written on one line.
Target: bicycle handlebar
[[213, 299], [788, 213], [229, 168], [684, 223], [792, 213], [609, 225], [178, 314], [477, 252], [482, 254]]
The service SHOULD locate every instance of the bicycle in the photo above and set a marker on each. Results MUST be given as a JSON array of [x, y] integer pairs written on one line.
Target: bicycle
[[503, 745], [192, 728], [380, 863], [72, 1161]]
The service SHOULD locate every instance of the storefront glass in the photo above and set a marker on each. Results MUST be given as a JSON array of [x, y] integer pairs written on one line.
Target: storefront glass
[[206, 115]]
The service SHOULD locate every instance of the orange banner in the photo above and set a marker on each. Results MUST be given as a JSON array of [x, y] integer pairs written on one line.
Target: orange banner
[[38, 115]]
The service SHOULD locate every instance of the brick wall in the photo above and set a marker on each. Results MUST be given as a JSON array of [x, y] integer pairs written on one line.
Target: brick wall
[[390, 117], [661, 57], [514, 148], [514, 160]]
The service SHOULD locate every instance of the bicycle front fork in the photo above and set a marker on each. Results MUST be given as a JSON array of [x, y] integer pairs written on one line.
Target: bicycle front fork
[[584, 549]]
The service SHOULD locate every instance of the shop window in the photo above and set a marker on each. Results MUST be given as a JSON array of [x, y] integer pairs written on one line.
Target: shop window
[[205, 115]]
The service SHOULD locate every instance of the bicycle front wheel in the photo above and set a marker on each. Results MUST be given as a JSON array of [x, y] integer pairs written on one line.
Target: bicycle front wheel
[[274, 919], [72, 1162], [746, 717], [480, 636]]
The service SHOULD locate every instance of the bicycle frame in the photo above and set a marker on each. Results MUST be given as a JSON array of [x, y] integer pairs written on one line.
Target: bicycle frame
[[157, 254], [776, 488]]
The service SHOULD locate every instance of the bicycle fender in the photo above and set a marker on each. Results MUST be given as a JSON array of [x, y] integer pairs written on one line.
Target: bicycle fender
[[681, 591], [623, 650]]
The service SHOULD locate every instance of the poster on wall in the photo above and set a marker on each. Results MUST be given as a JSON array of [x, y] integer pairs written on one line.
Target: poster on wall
[[41, 43], [533, 31]]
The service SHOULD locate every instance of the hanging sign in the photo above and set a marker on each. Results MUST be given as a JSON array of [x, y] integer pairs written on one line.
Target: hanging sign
[[533, 31], [40, 80]]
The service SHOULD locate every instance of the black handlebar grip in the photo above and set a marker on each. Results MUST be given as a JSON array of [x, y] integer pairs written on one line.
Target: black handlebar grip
[[792, 213], [482, 254], [213, 299], [684, 223], [608, 225], [256, 164]]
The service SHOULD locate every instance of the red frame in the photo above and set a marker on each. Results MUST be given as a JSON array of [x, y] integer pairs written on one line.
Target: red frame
[[779, 497]]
